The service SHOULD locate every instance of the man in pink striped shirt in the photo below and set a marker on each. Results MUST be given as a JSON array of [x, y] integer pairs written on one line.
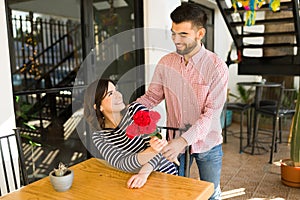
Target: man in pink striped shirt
[[193, 82]]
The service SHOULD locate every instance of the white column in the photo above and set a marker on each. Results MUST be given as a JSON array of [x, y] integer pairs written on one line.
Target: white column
[[7, 116]]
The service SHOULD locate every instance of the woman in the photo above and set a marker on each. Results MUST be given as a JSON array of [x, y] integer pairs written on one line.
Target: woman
[[105, 111]]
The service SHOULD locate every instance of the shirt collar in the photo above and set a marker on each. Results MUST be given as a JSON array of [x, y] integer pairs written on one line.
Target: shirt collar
[[195, 58]]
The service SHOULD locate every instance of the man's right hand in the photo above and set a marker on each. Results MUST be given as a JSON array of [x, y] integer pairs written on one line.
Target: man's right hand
[[158, 144]]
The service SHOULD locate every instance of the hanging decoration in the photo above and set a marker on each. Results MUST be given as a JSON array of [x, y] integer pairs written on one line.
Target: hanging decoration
[[251, 6], [274, 5]]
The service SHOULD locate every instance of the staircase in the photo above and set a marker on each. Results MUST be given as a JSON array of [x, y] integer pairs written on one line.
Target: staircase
[[272, 45], [47, 56]]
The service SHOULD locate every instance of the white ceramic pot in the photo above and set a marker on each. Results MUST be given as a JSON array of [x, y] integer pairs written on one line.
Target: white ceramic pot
[[62, 183]]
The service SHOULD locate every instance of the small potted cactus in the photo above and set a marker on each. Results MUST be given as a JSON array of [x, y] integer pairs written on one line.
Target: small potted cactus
[[61, 178]]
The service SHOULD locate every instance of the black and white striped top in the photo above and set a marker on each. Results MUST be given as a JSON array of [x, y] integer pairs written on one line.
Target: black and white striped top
[[121, 152]]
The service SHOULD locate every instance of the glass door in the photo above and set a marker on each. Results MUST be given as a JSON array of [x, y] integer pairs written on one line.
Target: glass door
[[117, 40]]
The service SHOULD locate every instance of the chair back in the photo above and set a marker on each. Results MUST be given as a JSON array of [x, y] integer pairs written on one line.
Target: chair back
[[13, 173], [172, 133], [271, 100], [289, 99]]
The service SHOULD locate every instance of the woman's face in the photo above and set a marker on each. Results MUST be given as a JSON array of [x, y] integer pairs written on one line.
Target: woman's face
[[112, 100]]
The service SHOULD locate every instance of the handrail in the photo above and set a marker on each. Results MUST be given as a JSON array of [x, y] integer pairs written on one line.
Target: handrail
[[46, 50], [52, 69]]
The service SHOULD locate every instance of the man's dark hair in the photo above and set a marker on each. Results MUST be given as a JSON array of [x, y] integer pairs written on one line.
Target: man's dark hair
[[191, 12]]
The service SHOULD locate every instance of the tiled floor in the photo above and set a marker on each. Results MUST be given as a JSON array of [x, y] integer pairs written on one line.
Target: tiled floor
[[244, 176]]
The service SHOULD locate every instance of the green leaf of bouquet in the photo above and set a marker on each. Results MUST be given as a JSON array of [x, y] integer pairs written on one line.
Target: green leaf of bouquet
[[158, 135]]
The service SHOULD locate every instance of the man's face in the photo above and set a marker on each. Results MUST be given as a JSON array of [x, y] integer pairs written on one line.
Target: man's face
[[185, 37]]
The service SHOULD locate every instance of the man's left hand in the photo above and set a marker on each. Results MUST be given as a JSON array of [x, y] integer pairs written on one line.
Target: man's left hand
[[174, 148]]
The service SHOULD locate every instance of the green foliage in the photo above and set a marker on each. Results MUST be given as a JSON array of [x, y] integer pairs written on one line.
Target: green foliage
[[295, 131], [22, 108], [245, 95]]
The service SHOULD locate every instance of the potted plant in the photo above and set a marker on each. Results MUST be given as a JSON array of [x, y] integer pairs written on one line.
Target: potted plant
[[61, 178], [244, 96], [290, 168]]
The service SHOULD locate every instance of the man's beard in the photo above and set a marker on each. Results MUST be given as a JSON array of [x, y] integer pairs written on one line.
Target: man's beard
[[188, 49]]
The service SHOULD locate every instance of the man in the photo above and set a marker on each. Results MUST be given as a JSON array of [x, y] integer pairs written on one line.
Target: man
[[193, 81]]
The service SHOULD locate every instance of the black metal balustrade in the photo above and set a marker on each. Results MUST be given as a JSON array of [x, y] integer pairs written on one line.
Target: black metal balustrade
[[47, 56]]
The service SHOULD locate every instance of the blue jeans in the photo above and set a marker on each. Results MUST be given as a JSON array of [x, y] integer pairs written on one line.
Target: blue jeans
[[209, 165]]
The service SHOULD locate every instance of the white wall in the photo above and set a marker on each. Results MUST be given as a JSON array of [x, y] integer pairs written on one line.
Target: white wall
[[157, 18], [7, 116], [157, 38]]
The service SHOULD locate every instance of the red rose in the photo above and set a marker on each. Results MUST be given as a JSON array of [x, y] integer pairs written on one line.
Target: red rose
[[142, 118], [144, 122], [155, 116]]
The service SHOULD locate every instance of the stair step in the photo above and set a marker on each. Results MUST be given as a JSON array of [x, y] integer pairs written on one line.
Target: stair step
[[274, 45], [272, 65], [270, 59], [266, 21], [288, 33], [269, 69]]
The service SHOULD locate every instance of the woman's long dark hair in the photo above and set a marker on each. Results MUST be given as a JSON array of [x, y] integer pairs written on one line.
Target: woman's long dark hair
[[94, 95]]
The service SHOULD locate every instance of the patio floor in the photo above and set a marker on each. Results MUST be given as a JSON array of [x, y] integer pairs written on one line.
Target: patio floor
[[246, 176]]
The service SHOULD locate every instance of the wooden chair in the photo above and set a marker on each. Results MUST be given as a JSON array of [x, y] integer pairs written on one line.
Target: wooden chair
[[172, 133], [13, 173]]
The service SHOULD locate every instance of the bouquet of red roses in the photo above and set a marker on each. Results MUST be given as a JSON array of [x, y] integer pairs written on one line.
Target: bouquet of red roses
[[144, 122]]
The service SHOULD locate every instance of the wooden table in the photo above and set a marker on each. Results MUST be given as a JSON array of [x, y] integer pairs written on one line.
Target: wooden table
[[94, 179]]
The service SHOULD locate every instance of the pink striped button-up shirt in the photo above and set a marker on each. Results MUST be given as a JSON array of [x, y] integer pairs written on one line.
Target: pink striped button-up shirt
[[195, 94]]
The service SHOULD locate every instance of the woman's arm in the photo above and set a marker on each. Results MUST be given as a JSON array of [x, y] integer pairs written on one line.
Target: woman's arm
[[138, 180], [156, 145]]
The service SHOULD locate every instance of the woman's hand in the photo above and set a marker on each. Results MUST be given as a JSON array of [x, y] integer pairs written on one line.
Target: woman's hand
[[137, 180], [158, 144]]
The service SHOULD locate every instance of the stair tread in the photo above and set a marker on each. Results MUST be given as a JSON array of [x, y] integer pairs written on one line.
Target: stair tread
[[269, 45], [256, 34], [286, 20]]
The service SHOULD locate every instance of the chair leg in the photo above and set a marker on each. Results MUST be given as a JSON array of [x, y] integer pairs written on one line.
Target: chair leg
[[250, 122], [255, 131], [276, 134], [273, 141], [225, 130], [248, 127], [241, 131], [280, 130], [187, 162]]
